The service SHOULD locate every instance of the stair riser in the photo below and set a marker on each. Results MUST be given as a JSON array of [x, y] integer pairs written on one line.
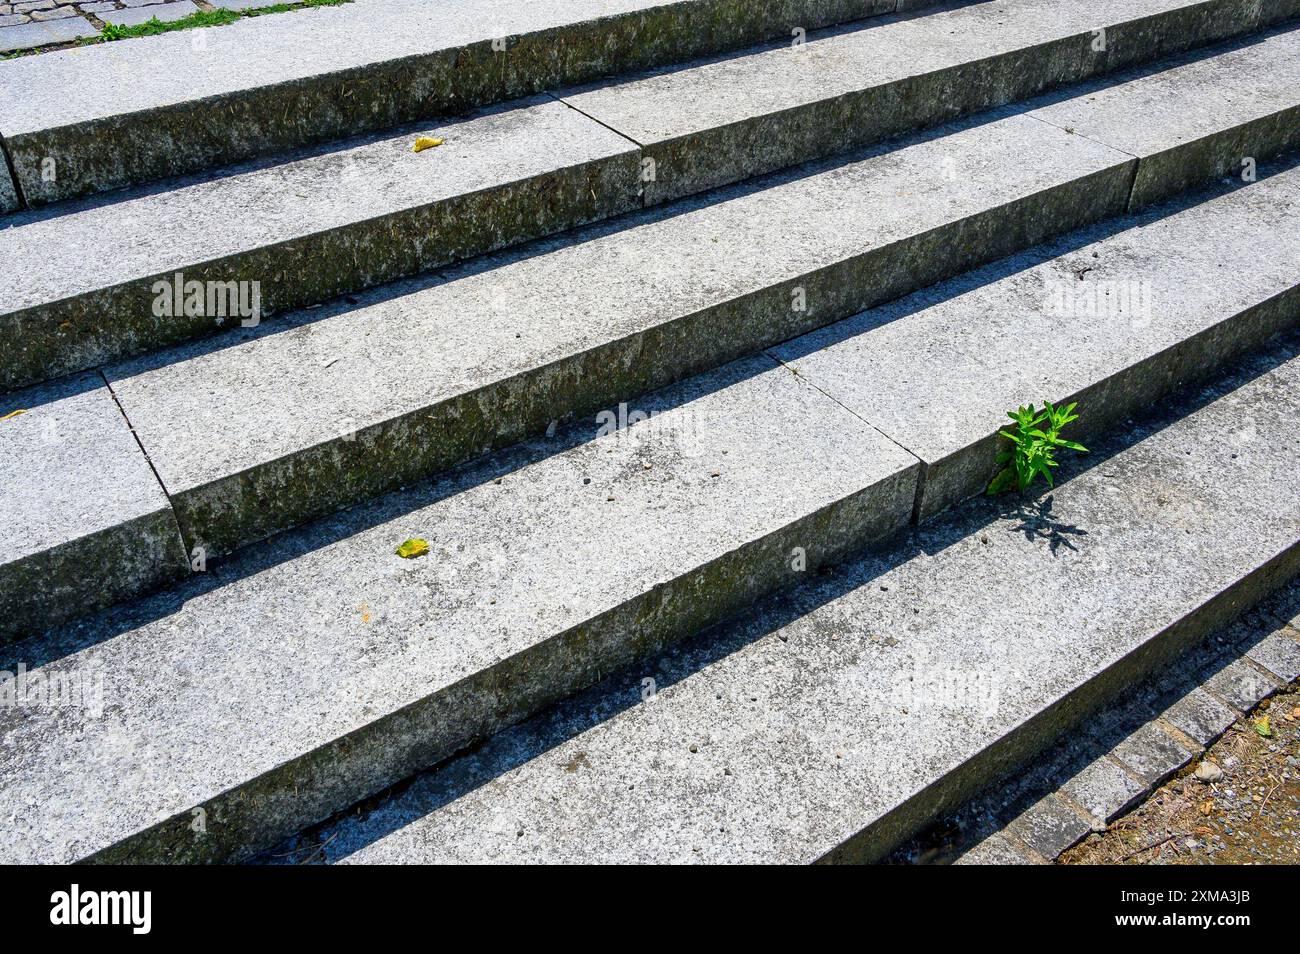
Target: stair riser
[[1168, 173], [50, 588], [1016, 751], [233, 512], [311, 788], [119, 322], [192, 136], [765, 143], [1126, 394]]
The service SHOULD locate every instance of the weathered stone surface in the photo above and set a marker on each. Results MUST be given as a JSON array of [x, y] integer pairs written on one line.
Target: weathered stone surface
[[1104, 789], [247, 443], [1193, 122], [321, 667], [995, 850], [174, 10], [816, 694], [123, 113], [328, 223], [83, 521], [8, 195], [1152, 755], [1241, 685], [736, 117], [1049, 826], [25, 36], [1201, 716], [1113, 317], [1279, 654]]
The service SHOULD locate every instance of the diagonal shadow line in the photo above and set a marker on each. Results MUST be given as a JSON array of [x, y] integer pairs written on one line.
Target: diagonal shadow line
[[461, 774]]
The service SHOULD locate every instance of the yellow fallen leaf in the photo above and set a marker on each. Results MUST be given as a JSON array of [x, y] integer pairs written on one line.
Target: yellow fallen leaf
[[6, 417], [1263, 728], [425, 142], [412, 548]]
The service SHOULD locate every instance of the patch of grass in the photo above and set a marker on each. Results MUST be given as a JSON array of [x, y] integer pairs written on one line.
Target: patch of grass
[[1033, 448], [203, 18]]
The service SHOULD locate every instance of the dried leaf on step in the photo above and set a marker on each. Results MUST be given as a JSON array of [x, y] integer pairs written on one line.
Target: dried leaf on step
[[425, 142], [412, 548], [5, 417]]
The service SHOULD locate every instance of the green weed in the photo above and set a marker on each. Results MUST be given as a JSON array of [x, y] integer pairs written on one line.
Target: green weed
[[1033, 446]]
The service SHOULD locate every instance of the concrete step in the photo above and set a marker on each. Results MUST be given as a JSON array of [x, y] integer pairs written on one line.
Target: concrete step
[[311, 670], [829, 724], [120, 113], [408, 383], [320, 667], [296, 232], [378, 211], [83, 520], [740, 116]]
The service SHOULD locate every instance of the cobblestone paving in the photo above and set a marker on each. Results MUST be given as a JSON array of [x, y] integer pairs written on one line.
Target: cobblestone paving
[[26, 24]]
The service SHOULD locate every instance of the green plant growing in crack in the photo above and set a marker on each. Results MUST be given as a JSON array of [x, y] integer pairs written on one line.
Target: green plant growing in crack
[[1034, 444]]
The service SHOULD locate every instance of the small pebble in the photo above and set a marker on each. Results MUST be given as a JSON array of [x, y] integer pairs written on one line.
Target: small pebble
[[1208, 772]]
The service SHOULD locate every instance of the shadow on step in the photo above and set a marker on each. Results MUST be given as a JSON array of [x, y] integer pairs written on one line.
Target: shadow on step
[[487, 762]]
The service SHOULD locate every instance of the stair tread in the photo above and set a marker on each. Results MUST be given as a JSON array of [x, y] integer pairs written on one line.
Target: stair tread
[[1177, 104], [324, 631], [730, 119], [814, 728]]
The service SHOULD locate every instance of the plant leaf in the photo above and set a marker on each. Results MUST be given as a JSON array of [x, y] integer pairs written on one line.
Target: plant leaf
[[412, 548]]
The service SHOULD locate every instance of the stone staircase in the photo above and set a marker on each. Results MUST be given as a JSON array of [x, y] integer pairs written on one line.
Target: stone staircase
[[686, 376]]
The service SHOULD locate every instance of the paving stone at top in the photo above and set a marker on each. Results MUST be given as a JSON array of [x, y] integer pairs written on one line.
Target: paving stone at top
[[1279, 653], [26, 36], [83, 520], [1086, 318], [1049, 826], [1241, 684], [1201, 716], [164, 105], [1151, 754], [165, 12], [995, 850]]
